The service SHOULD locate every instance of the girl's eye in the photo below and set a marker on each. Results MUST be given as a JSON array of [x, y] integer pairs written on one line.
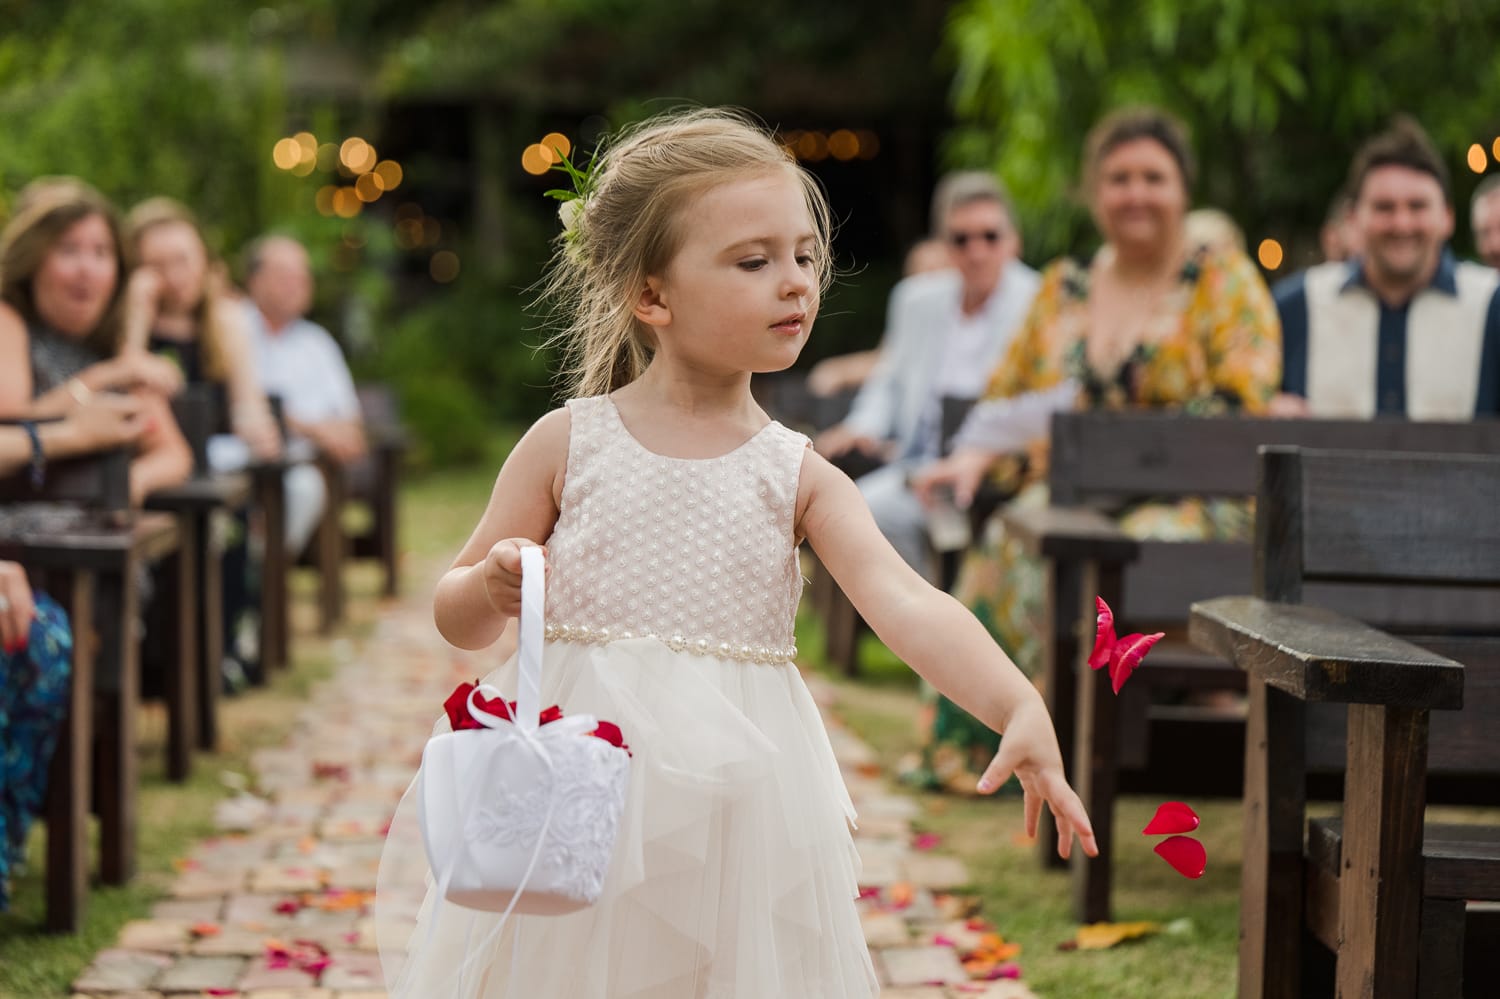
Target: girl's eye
[[752, 265], [806, 260]]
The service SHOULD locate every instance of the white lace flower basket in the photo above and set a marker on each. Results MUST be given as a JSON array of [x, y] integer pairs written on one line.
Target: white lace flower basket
[[522, 815]]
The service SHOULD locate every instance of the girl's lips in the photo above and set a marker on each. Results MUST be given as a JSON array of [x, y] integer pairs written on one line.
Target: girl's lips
[[790, 325]]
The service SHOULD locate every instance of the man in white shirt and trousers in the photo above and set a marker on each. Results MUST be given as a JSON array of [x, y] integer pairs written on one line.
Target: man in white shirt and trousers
[[946, 333]]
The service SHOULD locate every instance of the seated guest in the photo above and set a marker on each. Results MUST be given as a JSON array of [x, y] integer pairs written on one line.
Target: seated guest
[[179, 314], [35, 663], [1484, 219], [945, 331], [300, 362], [1338, 238], [62, 271], [1150, 321], [1405, 329], [833, 375]]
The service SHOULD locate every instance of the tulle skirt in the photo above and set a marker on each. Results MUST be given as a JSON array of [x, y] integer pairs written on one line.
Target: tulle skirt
[[734, 875]]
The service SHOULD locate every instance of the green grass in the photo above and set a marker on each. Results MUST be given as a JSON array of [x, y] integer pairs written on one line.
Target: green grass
[[438, 512], [1028, 905], [171, 818]]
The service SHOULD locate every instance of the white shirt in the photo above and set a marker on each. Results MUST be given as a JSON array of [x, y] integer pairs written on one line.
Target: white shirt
[[303, 365]]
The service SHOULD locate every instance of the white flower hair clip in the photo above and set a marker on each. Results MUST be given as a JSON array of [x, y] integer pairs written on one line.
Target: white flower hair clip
[[573, 200]]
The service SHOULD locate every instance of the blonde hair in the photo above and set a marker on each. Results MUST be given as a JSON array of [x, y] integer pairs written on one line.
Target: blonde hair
[[44, 210], [161, 211], [630, 226]]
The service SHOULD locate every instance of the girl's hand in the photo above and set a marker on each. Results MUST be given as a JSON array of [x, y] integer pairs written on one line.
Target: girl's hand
[[16, 607], [963, 471], [502, 575], [1029, 750]]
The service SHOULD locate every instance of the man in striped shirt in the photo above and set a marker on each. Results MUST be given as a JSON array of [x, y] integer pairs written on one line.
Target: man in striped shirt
[[1405, 329]]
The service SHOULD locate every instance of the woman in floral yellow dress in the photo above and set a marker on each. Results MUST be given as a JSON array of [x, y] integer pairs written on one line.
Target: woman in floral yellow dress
[[1153, 320]]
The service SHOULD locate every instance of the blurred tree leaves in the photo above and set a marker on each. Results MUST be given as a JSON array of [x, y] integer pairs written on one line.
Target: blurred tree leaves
[[143, 97], [1278, 95]]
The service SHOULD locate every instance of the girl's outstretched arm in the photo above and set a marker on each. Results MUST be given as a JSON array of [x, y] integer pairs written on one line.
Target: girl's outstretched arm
[[944, 642], [482, 591]]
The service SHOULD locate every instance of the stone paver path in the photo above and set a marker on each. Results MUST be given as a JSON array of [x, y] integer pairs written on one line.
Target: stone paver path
[[277, 906]]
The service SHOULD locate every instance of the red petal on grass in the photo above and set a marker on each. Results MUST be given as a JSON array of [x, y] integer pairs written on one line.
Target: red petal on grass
[[1185, 854], [1171, 817], [1104, 636], [926, 841], [1128, 655]]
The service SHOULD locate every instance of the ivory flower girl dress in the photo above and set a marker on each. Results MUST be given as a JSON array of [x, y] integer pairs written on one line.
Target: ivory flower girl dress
[[670, 603]]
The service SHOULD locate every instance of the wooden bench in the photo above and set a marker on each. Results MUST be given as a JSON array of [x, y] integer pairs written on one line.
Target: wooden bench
[[78, 539], [375, 483], [1140, 741], [1408, 722], [199, 413]]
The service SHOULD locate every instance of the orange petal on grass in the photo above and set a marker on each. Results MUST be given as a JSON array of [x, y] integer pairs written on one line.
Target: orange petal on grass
[[206, 929], [1100, 936]]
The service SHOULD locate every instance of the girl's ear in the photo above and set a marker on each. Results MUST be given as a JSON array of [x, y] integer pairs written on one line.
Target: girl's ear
[[651, 307]]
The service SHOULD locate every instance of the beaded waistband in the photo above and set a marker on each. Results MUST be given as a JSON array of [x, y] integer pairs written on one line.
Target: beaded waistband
[[585, 635]]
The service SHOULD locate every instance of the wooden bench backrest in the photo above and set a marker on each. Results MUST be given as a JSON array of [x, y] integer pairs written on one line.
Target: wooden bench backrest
[[1114, 458], [200, 413], [99, 481], [1376, 525], [1110, 459]]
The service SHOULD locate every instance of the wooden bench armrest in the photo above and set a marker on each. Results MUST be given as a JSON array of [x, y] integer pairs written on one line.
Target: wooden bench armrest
[[1070, 533], [1317, 655]]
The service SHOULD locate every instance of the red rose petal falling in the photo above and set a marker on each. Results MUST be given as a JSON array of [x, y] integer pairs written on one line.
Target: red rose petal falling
[[1128, 655], [1185, 854], [1104, 636], [1171, 817]]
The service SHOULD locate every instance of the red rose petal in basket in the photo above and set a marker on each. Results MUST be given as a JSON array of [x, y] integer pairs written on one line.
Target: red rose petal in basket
[[1171, 817], [457, 707], [610, 733], [1128, 655], [1185, 854]]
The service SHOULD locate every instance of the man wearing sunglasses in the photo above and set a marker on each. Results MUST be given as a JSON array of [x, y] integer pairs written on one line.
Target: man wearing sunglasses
[[945, 333]]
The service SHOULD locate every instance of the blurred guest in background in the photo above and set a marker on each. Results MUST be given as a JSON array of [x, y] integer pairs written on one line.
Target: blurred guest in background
[[301, 364], [1484, 218], [178, 313], [62, 271], [833, 375], [1339, 237], [1405, 329], [946, 330], [1150, 321]]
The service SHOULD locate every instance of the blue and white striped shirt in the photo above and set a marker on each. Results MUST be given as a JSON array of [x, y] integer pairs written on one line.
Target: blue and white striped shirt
[[1352, 356]]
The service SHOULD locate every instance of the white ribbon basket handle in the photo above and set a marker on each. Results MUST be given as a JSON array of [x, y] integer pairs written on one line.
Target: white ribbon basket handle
[[486, 848]]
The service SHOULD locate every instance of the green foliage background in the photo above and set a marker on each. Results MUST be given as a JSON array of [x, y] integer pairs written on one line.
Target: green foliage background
[[187, 97], [1277, 94]]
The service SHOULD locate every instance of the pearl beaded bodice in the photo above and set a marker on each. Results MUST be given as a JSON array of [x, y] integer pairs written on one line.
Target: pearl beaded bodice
[[697, 553]]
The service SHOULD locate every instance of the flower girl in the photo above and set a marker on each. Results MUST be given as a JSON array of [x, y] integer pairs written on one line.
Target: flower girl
[[672, 508]]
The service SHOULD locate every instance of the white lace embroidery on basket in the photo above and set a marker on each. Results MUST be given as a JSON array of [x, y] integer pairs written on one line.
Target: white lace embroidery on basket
[[583, 826]]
